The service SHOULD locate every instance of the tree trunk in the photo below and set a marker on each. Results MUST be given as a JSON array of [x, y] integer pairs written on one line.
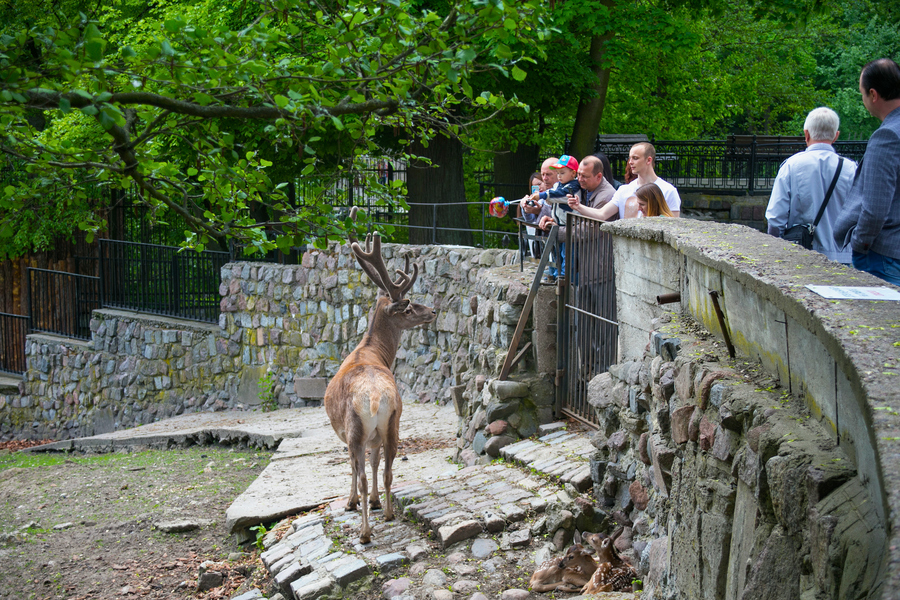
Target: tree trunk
[[440, 184], [512, 169], [590, 110]]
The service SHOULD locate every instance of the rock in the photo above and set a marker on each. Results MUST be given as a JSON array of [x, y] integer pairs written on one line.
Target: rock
[[478, 596], [62, 526], [442, 595], [464, 586], [482, 548], [642, 448], [707, 433], [681, 418], [416, 553], [493, 445], [394, 587], [659, 557], [497, 427], [210, 580], [434, 578], [450, 534], [181, 525], [638, 495], [388, 562], [515, 594]]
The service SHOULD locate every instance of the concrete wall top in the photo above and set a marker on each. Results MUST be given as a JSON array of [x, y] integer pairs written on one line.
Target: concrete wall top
[[862, 338]]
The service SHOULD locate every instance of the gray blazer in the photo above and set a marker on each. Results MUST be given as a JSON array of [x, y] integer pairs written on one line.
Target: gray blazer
[[871, 217]]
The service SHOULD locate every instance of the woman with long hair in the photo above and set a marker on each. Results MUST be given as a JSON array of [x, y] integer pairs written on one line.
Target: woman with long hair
[[651, 201]]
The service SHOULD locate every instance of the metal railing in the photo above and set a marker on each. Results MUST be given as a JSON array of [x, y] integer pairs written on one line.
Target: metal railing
[[735, 165], [161, 280], [13, 329], [62, 303], [587, 332]]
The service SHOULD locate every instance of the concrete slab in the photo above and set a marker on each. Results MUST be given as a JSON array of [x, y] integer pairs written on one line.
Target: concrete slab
[[312, 469]]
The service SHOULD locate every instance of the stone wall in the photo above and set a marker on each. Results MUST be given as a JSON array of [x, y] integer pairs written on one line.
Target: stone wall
[[804, 496], [297, 322], [726, 488]]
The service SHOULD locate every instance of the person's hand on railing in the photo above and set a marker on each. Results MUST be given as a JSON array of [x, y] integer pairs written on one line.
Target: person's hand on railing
[[546, 223]]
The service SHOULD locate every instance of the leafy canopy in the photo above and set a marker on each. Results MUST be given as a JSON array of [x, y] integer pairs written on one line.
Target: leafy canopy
[[209, 111]]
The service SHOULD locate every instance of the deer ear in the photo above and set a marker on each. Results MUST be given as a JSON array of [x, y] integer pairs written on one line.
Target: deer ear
[[395, 308], [577, 537]]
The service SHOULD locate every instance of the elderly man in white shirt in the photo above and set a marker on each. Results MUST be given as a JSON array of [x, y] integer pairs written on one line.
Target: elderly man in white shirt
[[802, 181]]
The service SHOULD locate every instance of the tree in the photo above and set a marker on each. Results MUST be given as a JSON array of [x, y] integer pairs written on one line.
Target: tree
[[210, 111]]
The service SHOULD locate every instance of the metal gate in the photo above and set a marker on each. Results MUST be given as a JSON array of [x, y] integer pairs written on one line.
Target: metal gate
[[587, 330]]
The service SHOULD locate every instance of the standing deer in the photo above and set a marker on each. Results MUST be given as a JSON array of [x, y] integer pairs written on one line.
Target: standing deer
[[362, 400]]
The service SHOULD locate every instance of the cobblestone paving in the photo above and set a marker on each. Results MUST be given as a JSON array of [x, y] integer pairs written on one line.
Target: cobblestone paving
[[482, 519]]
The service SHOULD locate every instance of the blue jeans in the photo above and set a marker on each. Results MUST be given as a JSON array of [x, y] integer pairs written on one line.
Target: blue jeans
[[879, 265], [561, 260]]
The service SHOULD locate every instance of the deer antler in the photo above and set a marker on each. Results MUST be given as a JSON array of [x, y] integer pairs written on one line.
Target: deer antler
[[372, 262]]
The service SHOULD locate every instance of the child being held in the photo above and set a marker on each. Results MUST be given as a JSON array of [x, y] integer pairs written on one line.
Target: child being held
[[555, 203]]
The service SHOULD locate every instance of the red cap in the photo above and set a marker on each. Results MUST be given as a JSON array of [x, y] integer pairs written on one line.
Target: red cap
[[566, 161]]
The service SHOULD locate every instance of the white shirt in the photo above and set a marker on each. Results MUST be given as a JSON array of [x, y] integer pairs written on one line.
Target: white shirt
[[627, 191], [799, 191]]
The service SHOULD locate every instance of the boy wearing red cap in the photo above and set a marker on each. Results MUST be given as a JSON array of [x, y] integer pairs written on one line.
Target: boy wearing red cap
[[556, 204]]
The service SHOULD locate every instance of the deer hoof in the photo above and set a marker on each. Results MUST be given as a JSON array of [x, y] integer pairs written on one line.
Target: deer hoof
[[388, 517], [352, 505], [365, 538], [375, 504]]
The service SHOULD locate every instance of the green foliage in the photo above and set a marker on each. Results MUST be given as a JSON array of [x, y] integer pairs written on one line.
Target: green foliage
[[261, 532], [266, 387], [213, 110]]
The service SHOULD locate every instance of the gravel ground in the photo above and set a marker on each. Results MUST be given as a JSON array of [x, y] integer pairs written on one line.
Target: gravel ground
[[79, 527]]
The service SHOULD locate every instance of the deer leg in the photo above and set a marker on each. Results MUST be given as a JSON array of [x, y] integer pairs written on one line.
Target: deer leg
[[391, 441], [353, 501], [358, 458], [374, 459]]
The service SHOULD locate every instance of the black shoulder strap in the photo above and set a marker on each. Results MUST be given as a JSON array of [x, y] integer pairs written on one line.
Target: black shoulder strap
[[828, 193]]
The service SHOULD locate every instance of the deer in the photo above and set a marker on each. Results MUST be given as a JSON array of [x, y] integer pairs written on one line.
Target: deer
[[362, 400], [613, 573], [567, 574]]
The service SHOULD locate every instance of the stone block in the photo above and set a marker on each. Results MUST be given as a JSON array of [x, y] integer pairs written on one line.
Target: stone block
[[707, 433], [451, 534], [289, 575], [493, 445], [504, 390], [643, 450], [681, 418], [684, 383], [388, 562], [726, 444]]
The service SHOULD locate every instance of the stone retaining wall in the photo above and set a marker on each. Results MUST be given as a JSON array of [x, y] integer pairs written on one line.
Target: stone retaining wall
[[297, 322], [805, 498]]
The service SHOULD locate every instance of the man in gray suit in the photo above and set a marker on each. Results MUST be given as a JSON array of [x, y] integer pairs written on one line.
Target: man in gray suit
[[870, 223]]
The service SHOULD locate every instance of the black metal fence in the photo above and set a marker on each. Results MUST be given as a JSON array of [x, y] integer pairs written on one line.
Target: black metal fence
[[161, 280], [13, 329], [62, 303], [735, 165], [588, 331]]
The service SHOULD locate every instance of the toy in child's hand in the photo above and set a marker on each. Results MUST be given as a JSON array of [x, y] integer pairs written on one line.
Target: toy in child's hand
[[499, 206]]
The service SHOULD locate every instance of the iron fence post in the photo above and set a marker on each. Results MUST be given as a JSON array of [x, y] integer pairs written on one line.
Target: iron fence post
[[102, 298], [434, 223], [751, 176]]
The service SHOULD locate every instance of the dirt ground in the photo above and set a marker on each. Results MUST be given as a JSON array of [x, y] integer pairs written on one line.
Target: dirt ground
[[78, 527]]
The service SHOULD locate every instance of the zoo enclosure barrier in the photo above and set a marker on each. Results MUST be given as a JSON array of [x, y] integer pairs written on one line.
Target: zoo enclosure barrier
[[587, 330], [141, 277], [13, 329], [739, 164]]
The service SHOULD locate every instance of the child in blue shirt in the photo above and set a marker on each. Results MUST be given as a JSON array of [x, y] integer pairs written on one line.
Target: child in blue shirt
[[556, 204]]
